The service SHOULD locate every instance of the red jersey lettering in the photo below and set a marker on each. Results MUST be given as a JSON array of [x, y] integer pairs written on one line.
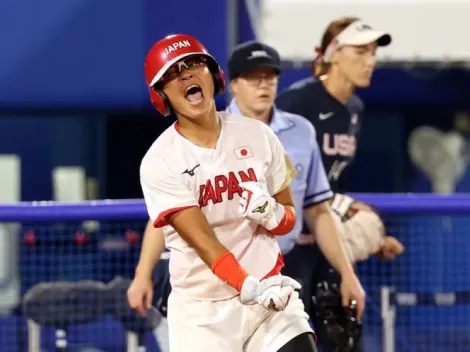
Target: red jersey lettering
[[214, 191]]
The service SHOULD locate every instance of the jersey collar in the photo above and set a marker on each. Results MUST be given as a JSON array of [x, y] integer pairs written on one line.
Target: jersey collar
[[279, 121]]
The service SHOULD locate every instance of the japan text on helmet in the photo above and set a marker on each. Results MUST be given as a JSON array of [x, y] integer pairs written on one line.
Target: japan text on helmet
[[167, 52]]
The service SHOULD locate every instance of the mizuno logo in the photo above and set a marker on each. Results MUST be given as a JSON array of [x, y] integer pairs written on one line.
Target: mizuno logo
[[261, 209], [190, 172]]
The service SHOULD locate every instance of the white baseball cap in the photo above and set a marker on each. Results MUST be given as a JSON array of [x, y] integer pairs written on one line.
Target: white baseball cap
[[357, 33]]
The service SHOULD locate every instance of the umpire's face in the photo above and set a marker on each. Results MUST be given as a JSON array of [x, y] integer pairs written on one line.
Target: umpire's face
[[256, 90], [356, 63]]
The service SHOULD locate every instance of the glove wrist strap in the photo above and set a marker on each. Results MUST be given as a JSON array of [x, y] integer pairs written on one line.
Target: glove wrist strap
[[341, 204], [286, 224]]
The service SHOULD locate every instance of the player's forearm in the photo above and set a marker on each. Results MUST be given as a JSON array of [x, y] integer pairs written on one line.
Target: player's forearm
[[153, 246], [197, 232], [193, 227], [321, 222]]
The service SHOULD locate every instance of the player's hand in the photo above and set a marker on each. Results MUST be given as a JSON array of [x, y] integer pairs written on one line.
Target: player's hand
[[140, 294], [272, 293], [390, 248], [257, 205], [351, 290]]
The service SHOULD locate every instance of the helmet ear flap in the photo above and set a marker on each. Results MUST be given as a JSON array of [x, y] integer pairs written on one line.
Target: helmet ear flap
[[218, 75], [219, 78], [160, 101]]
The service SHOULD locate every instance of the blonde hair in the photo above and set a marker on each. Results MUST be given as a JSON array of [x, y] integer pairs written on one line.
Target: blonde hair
[[319, 67]]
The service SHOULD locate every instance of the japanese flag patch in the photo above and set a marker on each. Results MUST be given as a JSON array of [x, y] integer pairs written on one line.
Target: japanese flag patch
[[243, 153]]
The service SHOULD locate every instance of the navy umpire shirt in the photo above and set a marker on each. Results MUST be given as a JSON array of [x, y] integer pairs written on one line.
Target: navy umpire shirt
[[337, 124]]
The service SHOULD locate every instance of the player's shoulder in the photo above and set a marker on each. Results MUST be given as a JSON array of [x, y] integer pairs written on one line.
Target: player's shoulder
[[304, 84], [164, 143], [248, 129], [161, 149], [302, 87], [241, 122], [299, 93]]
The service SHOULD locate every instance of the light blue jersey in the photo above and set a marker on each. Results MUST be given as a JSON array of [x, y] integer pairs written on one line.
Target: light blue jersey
[[311, 186]]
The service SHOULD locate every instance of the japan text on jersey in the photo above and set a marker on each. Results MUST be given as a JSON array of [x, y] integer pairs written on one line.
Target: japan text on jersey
[[337, 124], [177, 174], [224, 187]]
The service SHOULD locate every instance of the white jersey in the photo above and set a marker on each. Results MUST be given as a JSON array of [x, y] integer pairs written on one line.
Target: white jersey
[[176, 174]]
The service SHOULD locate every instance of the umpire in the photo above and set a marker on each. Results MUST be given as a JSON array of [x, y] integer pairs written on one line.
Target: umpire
[[254, 69]]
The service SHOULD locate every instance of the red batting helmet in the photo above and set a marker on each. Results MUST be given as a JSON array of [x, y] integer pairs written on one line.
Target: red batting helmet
[[165, 53]]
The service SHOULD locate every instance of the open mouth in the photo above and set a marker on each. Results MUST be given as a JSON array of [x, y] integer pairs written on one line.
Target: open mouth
[[193, 94]]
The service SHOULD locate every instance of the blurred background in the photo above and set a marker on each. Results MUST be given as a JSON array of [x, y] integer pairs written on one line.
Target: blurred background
[[75, 122]]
